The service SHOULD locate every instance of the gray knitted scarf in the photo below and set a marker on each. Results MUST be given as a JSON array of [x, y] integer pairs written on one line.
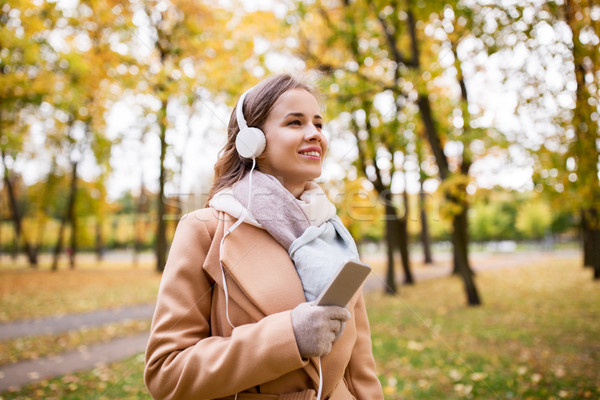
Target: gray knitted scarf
[[317, 251]]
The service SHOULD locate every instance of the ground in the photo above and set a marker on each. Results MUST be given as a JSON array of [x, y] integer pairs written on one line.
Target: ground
[[535, 337]]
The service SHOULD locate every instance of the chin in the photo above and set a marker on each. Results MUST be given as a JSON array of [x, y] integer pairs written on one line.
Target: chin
[[312, 177]]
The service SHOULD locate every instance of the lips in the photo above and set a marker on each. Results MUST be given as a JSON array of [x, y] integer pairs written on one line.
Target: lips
[[313, 152]]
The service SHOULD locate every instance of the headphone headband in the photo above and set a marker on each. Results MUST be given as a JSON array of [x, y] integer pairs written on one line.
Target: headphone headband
[[239, 111], [250, 142]]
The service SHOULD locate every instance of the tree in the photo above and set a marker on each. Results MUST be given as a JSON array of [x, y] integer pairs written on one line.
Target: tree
[[533, 219], [396, 49], [585, 31], [494, 214], [350, 78], [197, 48], [91, 71], [359, 209], [557, 88], [425, 235], [24, 80]]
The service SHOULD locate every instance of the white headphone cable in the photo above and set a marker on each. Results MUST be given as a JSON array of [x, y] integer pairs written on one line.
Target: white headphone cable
[[231, 229], [320, 380]]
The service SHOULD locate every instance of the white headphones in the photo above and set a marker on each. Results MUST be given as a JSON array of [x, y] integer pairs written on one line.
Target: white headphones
[[250, 142]]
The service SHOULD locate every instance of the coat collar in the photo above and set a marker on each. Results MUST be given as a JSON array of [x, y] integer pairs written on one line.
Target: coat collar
[[261, 268], [265, 273]]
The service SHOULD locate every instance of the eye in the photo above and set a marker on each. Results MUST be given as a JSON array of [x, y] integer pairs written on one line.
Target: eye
[[295, 122], [319, 125]]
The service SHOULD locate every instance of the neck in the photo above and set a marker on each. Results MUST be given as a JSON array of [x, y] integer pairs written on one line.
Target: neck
[[295, 188]]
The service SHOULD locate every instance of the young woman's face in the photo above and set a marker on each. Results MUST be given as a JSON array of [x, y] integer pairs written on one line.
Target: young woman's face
[[295, 144]]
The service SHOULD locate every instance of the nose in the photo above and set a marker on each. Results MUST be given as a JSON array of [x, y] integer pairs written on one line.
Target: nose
[[313, 134]]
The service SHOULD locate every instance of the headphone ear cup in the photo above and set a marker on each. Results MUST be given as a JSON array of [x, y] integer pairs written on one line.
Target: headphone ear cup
[[250, 142]]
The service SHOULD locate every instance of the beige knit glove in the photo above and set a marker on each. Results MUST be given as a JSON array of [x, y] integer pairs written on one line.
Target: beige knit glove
[[317, 327]]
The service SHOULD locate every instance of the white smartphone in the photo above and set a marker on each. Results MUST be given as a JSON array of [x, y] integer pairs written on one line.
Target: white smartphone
[[345, 283]]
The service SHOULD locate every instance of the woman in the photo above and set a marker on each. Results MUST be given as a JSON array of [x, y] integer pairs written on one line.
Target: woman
[[232, 319]]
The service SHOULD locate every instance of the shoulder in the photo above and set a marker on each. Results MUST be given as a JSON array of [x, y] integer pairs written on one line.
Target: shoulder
[[204, 221]]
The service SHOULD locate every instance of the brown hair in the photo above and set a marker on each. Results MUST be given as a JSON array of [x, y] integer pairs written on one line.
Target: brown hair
[[231, 167]]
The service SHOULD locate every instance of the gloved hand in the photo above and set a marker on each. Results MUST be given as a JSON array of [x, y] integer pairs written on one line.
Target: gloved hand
[[317, 327]]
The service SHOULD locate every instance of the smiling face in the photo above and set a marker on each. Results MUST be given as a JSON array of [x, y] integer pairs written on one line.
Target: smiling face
[[295, 144]]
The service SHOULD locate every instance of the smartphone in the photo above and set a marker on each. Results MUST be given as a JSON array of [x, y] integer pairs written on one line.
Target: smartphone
[[344, 284]]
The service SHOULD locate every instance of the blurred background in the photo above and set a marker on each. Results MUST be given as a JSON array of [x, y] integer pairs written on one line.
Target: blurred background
[[464, 146]]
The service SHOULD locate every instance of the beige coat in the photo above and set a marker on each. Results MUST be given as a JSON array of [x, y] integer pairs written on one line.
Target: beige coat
[[193, 353]]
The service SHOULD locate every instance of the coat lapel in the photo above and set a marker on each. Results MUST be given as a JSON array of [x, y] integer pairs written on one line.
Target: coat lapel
[[262, 269]]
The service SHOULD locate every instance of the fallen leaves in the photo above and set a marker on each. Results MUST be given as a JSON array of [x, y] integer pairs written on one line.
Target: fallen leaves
[[26, 294], [29, 348], [536, 337], [416, 346]]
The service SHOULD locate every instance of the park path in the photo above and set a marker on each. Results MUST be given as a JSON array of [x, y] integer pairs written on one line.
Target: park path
[[63, 323], [13, 376], [480, 261]]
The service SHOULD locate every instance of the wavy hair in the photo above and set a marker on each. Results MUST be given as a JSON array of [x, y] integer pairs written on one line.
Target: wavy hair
[[231, 167]]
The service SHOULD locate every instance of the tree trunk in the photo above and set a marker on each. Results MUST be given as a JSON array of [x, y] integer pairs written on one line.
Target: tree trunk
[[49, 190], [136, 237], [592, 226], [72, 215], [586, 236], [161, 237], [425, 237], [114, 231], [403, 240], [460, 233], [402, 230], [585, 147], [59, 244], [14, 251], [432, 135], [459, 224], [17, 218], [455, 252], [141, 210], [67, 218], [595, 239], [1, 249], [99, 240], [390, 234]]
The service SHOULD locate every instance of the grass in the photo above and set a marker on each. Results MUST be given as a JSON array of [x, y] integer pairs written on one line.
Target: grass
[[27, 293], [34, 347], [536, 337], [122, 380]]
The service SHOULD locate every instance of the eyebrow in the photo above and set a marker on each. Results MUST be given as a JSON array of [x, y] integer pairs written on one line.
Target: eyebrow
[[299, 114]]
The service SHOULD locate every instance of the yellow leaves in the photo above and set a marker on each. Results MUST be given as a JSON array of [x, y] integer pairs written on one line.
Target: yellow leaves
[[478, 376], [500, 352], [415, 346], [30, 348], [534, 219], [455, 194], [536, 378], [463, 390], [455, 375], [360, 208], [29, 294], [390, 386]]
